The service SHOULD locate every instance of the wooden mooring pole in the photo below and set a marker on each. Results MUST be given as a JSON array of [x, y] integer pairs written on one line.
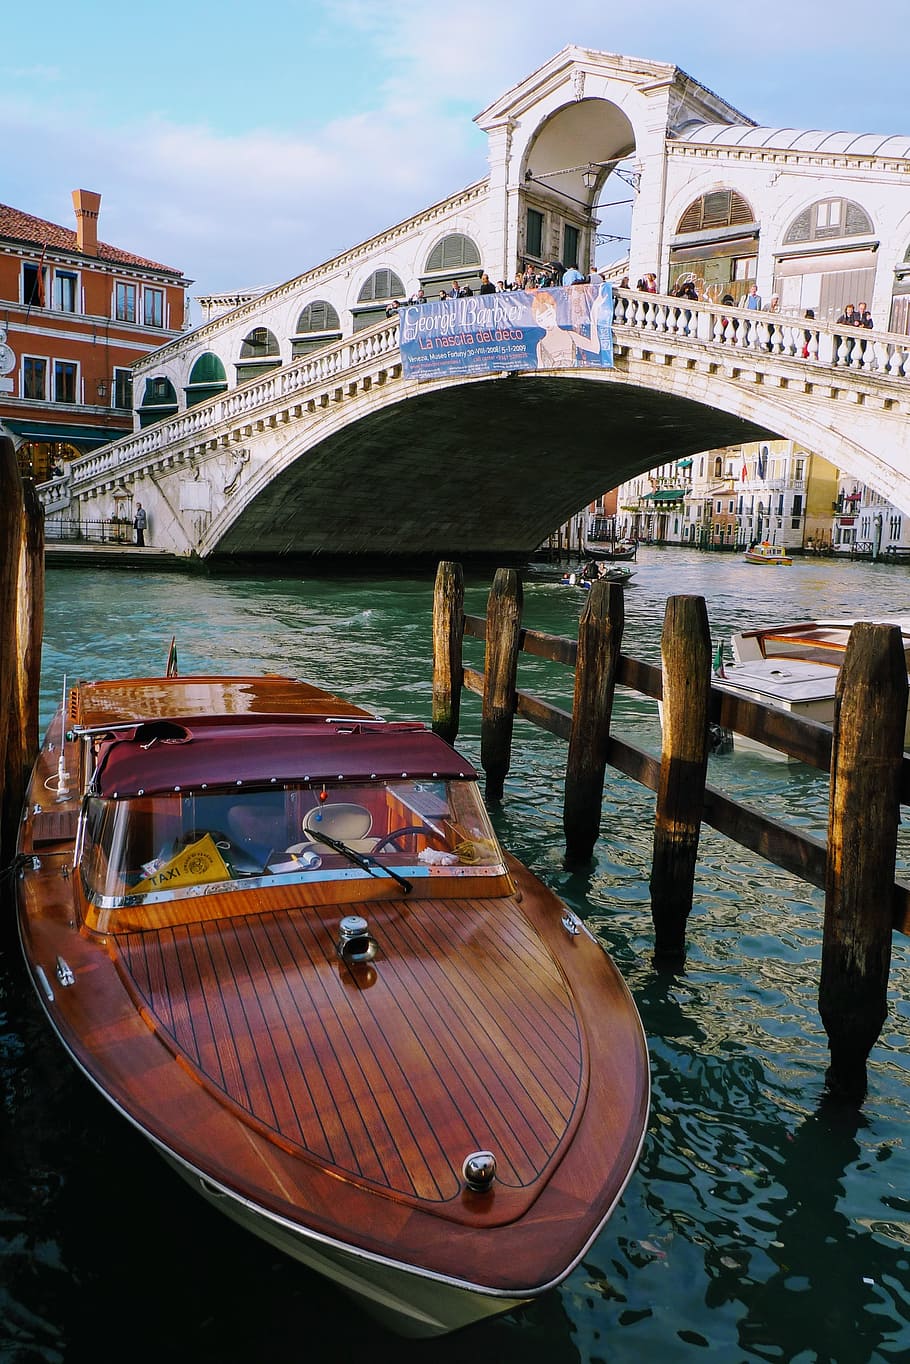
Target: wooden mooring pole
[[504, 607], [12, 533], [448, 633], [22, 733], [599, 640], [866, 761], [686, 676]]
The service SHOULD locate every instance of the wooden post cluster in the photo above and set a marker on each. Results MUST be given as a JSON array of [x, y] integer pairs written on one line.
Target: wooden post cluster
[[21, 626], [869, 718], [863, 905]]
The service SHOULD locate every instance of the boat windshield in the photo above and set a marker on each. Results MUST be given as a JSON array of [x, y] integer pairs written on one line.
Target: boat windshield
[[149, 848]]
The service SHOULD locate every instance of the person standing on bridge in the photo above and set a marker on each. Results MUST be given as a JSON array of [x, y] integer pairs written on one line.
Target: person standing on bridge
[[140, 521], [753, 297], [862, 316]]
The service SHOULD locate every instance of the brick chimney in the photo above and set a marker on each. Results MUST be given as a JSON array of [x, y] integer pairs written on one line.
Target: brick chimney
[[86, 205]]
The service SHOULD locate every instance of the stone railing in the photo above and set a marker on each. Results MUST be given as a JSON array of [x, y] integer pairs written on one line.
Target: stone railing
[[253, 399], [747, 330]]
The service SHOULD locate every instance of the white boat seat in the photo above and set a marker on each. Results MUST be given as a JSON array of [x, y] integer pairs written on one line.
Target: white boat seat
[[350, 824]]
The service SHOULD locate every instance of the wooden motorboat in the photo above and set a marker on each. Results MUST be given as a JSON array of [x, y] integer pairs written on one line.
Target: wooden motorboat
[[280, 936], [795, 666], [766, 553]]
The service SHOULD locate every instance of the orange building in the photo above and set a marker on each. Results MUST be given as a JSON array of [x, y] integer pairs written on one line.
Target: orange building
[[75, 314]]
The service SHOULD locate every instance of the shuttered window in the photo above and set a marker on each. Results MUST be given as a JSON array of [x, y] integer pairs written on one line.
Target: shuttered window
[[382, 284], [534, 234], [318, 317], [207, 379], [259, 345], [719, 208], [454, 252]]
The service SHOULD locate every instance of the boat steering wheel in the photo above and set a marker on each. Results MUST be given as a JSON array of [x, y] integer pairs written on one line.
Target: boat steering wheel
[[400, 833]]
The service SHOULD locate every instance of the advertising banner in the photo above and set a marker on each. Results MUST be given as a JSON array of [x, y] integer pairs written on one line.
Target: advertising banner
[[517, 329]]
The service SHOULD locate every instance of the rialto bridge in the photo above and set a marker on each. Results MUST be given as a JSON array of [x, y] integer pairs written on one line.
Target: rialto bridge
[[286, 426]]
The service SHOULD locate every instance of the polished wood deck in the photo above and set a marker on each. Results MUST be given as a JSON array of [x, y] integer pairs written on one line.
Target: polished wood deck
[[461, 1035]]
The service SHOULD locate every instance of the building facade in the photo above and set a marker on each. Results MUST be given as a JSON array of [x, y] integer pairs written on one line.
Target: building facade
[[732, 498], [76, 314], [866, 524]]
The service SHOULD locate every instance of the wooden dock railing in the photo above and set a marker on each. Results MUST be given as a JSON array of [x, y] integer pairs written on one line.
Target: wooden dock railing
[[870, 775]]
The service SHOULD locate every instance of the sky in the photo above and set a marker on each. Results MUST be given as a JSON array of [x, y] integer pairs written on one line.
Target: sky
[[244, 143]]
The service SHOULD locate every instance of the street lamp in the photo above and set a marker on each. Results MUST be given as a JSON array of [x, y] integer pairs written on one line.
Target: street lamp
[[101, 387]]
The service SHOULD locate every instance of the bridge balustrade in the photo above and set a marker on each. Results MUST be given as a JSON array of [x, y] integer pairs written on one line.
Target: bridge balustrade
[[693, 323], [745, 329]]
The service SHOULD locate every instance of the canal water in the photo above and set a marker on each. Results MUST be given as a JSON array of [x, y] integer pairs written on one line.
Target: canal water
[[762, 1223]]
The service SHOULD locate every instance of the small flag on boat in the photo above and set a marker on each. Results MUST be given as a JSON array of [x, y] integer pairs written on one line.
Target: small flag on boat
[[719, 660], [200, 861], [171, 669]]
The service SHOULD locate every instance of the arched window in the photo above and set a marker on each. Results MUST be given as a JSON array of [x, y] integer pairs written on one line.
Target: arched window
[[260, 344], [455, 252], [719, 208], [821, 272], [828, 218], [207, 379], [318, 317], [158, 401], [381, 287], [259, 353], [317, 326], [718, 467]]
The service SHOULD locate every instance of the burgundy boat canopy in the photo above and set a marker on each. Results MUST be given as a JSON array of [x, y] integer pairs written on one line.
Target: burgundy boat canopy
[[189, 755]]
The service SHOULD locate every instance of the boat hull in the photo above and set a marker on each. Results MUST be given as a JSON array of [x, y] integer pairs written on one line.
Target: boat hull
[[411, 1304], [332, 1104], [754, 557]]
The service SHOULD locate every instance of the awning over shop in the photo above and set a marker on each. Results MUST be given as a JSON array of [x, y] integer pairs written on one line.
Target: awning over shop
[[738, 246], [85, 437], [665, 495]]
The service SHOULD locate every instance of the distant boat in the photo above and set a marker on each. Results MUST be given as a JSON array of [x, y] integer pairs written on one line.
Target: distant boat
[[614, 551], [766, 553], [614, 573]]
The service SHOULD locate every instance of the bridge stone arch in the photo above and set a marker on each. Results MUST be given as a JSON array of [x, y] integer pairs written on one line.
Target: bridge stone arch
[[498, 463], [341, 453]]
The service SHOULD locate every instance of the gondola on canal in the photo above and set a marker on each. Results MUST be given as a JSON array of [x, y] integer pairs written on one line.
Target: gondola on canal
[[281, 938]]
